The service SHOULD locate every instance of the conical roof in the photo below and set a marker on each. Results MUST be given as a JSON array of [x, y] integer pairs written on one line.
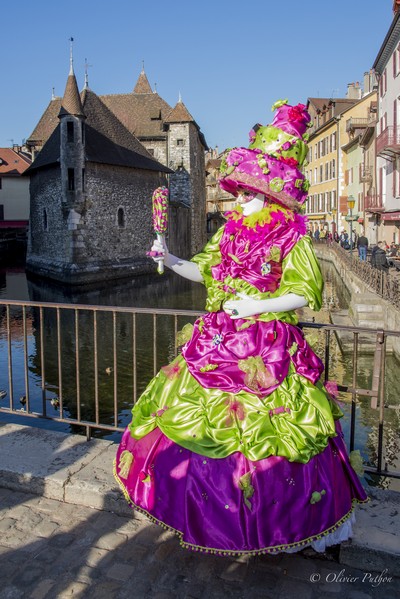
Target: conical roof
[[71, 102], [107, 140], [179, 114], [142, 85]]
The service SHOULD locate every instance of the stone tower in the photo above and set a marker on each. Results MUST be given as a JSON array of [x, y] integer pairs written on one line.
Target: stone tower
[[187, 159], [91, 186], [170, 135], [72, 163]]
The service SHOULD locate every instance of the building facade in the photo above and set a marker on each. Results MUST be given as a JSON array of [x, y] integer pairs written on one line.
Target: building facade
[[386, 205], [341, 158], [90, 188], [14, 188], [172, 137], [324, 160]]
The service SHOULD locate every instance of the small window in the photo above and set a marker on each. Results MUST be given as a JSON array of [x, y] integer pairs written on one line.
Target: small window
[[83, 179], [180, 142], [83, 132], [45, 220], [70, 131], [121, 218], [0, 183], [1, 212], [71, 179]]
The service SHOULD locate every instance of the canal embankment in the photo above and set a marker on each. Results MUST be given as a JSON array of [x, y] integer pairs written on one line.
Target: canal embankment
[[366, 308]]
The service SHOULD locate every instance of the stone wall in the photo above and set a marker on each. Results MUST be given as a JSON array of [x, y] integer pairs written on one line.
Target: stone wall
[[87, 241], [158, 149], [178, 237], [187, 184]]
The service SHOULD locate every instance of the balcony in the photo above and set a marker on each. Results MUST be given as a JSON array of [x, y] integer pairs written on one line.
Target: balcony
[[352, 124], [366, 174], [373, 203], [388, 143]]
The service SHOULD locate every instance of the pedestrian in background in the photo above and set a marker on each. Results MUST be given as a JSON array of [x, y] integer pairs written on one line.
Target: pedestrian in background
[[362, 247], [380, 261]]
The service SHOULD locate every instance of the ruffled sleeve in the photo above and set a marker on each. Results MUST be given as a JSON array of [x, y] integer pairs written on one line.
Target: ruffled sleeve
[[302, 274], [210, 256]]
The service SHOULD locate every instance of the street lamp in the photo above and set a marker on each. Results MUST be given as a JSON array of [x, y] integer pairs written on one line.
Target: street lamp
[[334, 220], [351, 203]]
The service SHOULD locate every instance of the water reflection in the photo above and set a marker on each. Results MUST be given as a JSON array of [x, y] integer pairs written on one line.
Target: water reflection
[[115, 371]]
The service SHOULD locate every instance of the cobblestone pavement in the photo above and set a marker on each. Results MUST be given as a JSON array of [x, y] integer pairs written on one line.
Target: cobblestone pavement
[[51, 550]]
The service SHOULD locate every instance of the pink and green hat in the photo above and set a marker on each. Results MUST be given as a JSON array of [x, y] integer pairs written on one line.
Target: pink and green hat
[[271, 164]]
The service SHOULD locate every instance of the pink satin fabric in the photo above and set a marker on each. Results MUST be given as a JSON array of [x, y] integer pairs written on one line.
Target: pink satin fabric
[[201, 499], [219, 341]]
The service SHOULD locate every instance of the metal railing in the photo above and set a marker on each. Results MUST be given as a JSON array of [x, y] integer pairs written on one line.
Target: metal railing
[[373, 202], [383, 283], [58, 353], [354, 123]]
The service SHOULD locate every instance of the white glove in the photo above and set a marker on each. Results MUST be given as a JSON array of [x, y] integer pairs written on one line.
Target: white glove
[[248, 306], [184, 268]]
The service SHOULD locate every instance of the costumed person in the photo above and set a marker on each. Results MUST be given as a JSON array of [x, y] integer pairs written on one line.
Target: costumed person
[[236, 445]]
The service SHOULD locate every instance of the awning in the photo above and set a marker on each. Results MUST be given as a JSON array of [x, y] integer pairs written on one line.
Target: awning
[[390, 216], [13, 224]]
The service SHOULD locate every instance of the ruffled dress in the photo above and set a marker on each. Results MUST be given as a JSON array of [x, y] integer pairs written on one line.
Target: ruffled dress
[[236, 445]]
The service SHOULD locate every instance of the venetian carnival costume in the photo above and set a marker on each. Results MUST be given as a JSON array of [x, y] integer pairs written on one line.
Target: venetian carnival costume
[[236, 445]]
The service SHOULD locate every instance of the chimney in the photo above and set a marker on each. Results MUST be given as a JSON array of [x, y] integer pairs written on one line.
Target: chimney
[[367, 82], [353, 91]]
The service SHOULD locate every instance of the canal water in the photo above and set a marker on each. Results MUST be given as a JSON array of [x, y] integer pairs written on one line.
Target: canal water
[[154, 291]]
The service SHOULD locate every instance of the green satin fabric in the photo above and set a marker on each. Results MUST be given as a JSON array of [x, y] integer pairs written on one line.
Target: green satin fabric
[[301, 274], [216, 424]]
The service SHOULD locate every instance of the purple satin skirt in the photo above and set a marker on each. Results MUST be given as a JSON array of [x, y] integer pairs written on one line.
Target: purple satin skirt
[[213, 507]]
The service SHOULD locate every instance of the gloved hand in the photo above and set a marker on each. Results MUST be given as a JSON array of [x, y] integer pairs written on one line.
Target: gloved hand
[[249, 306], [158, 251], [184, 268]]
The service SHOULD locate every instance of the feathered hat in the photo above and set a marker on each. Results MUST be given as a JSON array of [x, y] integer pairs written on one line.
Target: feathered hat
[[270, 165]]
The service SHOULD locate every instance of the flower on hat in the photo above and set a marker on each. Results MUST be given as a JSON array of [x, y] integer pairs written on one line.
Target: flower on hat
[[296, 113]]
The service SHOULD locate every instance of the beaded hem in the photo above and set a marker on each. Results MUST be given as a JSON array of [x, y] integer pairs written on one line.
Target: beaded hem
[[263, 551]]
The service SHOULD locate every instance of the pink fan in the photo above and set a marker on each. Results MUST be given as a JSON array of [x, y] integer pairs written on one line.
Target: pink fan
[[160, 217]]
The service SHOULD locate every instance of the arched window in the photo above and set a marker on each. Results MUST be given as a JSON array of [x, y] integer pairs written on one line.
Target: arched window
[[45, 221], [121, 218]]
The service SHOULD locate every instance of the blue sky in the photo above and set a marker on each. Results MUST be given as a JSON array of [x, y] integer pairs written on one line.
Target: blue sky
[[230, 60]]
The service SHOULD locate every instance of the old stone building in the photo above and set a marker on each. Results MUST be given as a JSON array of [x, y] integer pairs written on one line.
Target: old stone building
[[91, 186], [173, 138]]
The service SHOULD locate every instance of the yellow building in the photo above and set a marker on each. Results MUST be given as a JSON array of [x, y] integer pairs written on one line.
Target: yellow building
[[357, 165], [340, 158], [323, 162]]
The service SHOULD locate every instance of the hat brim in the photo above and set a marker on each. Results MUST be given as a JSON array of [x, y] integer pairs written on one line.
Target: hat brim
[[236, 181]]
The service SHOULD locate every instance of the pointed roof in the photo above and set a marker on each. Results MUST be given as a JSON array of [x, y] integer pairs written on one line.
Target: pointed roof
[[142, 114], [179, 114], [142, 84], [47, 123], [107, 141], [71, 102]]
